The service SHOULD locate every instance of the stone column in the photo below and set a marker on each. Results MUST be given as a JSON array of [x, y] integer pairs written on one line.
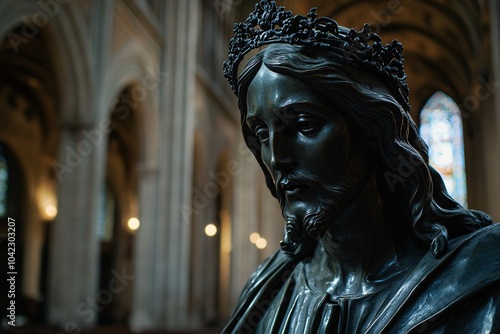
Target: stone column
[[272, 221], [495, 56], [245, 256], [143, 313], [163, 279], [74, 299], [74, 246], [34, 234], [483, 161], [180, 30]]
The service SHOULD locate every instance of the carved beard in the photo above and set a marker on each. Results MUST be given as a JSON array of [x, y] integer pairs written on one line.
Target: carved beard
[[306, 224]]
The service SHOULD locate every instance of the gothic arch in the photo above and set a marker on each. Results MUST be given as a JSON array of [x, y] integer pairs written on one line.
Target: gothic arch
[[64, 31], [29, 103], [132, 69]]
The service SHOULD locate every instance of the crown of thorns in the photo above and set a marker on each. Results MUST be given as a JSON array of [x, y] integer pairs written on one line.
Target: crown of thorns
[[270, 23]]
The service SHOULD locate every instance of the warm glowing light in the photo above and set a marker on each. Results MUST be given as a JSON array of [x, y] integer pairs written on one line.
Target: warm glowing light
[[254, 237], [210, 230], [51, 211], [261, 243], [226, 248], [133, 223]]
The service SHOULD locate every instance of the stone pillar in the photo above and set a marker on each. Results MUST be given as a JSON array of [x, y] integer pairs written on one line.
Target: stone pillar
[[485, 125], [40, 193], [272, 221], [245, 256], [495, 56], [74, 299], [180, 30], [34, 234], [74, 246], [163, 279], [143, 314]]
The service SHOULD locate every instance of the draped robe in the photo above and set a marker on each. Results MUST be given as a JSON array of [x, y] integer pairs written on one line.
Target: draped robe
[[456, 293]]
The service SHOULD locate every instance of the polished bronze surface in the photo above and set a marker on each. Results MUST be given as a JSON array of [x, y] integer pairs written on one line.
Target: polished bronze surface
[[373, 243]]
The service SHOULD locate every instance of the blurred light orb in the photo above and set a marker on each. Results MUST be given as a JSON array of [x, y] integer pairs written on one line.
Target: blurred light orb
[[254, 237], [51, 211], [133, 224], [210, 230], [261, 243]]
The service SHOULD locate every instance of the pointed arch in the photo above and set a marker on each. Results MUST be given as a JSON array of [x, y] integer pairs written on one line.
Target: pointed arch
[[132, 70], [441, 128]]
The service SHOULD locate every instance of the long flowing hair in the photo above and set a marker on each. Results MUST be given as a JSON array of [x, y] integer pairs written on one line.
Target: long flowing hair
[[404, 175]]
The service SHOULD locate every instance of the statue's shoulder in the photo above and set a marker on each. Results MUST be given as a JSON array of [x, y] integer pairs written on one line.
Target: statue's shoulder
[[480, 248], [472, 261], [460, 290], [490, 231], [488, 234]]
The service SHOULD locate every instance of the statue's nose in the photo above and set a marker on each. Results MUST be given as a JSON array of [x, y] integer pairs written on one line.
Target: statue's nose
[[281, 159]]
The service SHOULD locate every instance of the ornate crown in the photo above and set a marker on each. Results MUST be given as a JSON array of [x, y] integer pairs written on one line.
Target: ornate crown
[[270, 23]]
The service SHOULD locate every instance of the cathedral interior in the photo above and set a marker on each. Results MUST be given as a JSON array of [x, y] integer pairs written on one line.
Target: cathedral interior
[[122, 166]]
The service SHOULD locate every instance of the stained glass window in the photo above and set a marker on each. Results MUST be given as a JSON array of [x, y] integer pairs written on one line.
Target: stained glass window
[[4, 180], [441, 128], [106, 215]]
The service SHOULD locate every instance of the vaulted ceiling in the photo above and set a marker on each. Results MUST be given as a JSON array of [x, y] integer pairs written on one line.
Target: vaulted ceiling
[[446, 43], [27, 78]]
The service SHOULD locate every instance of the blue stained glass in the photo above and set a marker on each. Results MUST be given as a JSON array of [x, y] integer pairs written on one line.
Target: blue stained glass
[[4, 180], [106, 215], [441, 129]]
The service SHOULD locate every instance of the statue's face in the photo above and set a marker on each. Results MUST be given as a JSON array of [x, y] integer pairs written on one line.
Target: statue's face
[[305, 144]]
